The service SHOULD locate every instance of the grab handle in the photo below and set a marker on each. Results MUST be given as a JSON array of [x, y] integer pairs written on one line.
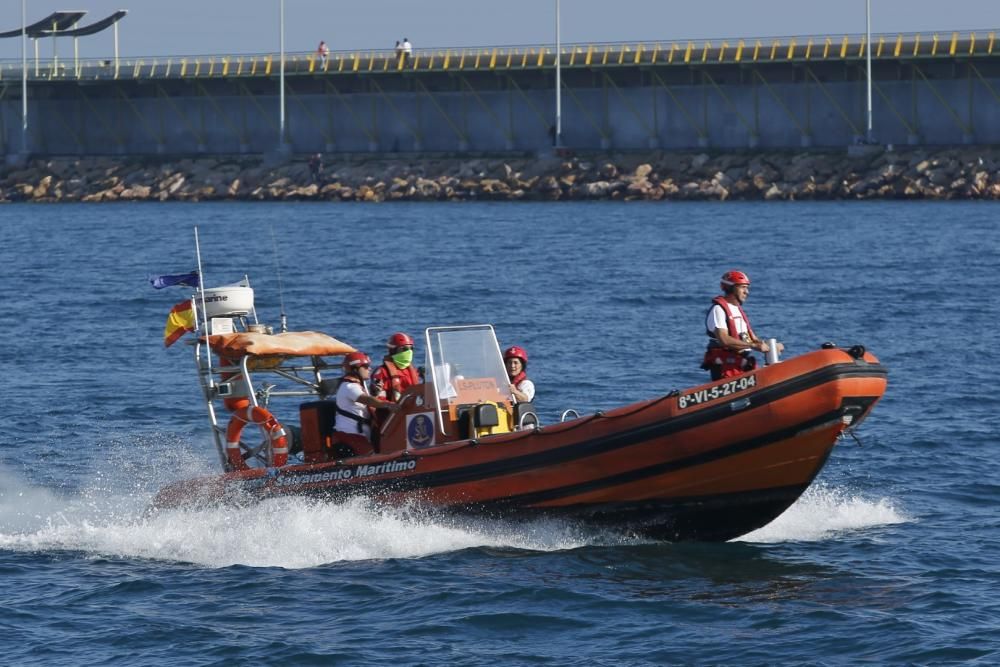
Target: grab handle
[[772, 351]]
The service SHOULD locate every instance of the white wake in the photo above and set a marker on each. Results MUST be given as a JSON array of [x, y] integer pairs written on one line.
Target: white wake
[[299, 533], [823, 513], [282, 532]]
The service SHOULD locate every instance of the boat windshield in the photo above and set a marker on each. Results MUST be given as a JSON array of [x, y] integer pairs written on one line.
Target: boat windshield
[[465, 353]]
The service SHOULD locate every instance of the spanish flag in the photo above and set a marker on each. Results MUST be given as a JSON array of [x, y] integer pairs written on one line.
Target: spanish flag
[[179, 321]]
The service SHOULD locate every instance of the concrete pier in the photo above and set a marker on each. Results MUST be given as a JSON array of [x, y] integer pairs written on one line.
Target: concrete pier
[[792, 93]]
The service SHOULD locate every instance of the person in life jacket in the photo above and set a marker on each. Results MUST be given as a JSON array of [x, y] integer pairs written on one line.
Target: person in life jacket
[[397, 372], [732, 341], [352, 425], [516, 361]]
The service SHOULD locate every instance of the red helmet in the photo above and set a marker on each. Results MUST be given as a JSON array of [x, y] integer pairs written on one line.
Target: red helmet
[[399, 339], [731, 279], [515, 352], [355, 359]]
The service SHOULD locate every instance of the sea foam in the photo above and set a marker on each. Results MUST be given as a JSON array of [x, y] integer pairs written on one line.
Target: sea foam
[[823, 513], [295, 532]]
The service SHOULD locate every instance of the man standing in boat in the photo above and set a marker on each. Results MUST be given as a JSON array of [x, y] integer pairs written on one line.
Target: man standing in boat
[[397, 372], [732, 341]]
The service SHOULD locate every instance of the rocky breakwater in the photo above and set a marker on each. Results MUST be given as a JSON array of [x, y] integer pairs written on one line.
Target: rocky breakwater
[[956, 173]]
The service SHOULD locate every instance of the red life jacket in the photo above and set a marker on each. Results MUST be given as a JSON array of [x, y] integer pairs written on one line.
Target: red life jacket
[[720, 360], [730, 320], [395, 380]]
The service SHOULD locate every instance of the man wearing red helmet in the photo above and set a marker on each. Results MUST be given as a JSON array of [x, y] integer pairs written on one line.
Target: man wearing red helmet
[[728, 327], [516, 360], [352, 426], [397, 371]]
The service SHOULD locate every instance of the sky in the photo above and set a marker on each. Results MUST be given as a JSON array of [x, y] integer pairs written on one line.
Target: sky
[[191, 27]]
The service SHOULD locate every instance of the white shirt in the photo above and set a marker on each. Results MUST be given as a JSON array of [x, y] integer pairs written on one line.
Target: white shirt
[[527, 387], [407, 47], [347, 400], [717, 319]]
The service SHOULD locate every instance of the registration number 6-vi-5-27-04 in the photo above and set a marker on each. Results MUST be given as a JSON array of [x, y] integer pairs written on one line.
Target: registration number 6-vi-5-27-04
[[734, 386]]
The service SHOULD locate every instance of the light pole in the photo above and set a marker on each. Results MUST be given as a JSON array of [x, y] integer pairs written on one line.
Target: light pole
[[558, 137], [869, 135], [24, 78], [282, 146]]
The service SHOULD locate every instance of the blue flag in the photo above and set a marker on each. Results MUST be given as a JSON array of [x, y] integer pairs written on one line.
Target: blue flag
[[186, 279]]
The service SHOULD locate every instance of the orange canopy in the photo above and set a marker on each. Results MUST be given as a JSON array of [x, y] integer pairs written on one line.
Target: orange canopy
[[292, 344]]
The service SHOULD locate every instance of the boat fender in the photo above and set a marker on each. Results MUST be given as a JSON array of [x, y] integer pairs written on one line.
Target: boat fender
[[829, 345], [856, 351]]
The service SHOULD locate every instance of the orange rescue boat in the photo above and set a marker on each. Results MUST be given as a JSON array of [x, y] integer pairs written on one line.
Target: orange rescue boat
[[711, 462]]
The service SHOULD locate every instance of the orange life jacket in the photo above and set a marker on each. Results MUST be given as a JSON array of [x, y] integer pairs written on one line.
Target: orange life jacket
[[395, 380]]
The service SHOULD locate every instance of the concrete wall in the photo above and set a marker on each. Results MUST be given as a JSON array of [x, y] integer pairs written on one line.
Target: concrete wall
[[635, 111]]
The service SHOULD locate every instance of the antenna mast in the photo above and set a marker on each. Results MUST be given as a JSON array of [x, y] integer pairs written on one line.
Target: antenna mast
[[204, 308], [281, 292]]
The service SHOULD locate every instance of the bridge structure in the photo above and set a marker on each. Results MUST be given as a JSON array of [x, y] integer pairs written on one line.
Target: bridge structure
[[773, 93]]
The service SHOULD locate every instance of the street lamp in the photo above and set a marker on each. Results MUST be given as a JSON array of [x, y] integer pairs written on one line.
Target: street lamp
[[558, 137], [869, 135], [24, 78], [282, 145]]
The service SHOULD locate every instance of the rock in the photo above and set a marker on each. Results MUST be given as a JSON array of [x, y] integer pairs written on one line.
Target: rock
[[968, 173], [75, 187], [548, 184], [307, 192], [940, 176], [775, 192], [136, 192], [492, 186], [42, 188], [470, 169], [598, 189], [638, 189], [427, 189], [980, 182], [699, 160], [721, 179]]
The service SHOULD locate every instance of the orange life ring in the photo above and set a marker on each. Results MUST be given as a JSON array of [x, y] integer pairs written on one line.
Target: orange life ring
[[276, 436]]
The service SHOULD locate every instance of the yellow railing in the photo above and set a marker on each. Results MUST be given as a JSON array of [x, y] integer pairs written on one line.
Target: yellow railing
[[789, 49]]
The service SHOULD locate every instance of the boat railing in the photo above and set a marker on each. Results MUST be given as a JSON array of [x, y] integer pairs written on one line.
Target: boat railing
[[528, 419], [567, 413]]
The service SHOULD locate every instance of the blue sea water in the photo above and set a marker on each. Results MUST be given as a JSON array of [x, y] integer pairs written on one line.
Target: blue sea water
[[891, 557]]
